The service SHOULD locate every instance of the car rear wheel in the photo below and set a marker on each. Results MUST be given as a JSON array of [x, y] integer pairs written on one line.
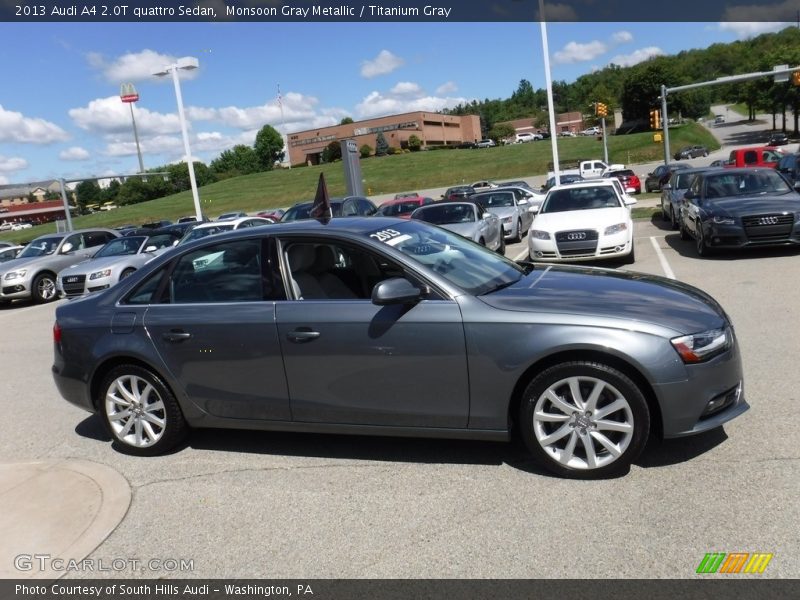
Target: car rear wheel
[[140, 412], [584, 420], [44, 288]]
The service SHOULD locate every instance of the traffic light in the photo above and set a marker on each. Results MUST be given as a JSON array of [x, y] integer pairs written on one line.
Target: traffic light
[[796, 78], [601, 110], [655, 119]]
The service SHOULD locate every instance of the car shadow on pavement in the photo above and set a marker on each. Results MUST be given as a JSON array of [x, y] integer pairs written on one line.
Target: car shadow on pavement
[[664, 453], [92, 428]]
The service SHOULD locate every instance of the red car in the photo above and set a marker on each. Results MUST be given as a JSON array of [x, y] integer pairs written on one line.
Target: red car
[[273, 214], [629, 180], [402, 207]]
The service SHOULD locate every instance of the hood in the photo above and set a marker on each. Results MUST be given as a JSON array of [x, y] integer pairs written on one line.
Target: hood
[[503, 211], [756, 205], [596, 218], [92, 265], [21, 263], [589, 291]]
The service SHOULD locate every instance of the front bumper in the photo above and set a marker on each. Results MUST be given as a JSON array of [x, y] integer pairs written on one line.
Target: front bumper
[[718, 381], [15, 288], [607, 247], [737, 236]]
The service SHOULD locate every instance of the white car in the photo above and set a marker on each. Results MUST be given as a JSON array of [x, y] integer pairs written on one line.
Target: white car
[[485, 144], [480, 186], [583, 222], [521, 138], [214, 227]]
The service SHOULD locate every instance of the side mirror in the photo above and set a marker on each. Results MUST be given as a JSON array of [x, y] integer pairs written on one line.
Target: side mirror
[[66, 248], [629, 201], [397, 290], [797, 185], [666, 186], [150, 249], [486, 215], [522, 202], [689, 195], [533, 209]]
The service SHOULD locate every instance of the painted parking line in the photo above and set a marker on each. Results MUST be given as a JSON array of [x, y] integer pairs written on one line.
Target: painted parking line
[[522, 255], [662, 259]]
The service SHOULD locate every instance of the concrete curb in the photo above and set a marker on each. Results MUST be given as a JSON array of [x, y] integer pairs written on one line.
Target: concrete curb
[[58, 509]]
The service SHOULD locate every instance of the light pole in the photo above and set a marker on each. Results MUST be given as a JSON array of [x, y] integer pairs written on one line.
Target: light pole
[[187, 63], [129, 95]]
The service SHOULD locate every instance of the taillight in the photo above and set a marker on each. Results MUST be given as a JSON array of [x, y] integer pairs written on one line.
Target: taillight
[[56, 333]]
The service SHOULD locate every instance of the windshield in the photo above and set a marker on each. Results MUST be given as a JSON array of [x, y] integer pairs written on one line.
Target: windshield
[[580, 198], [495, 200], [301, 211], [121, 246], [447, 214], [748, 183], [40, 247], [468, 265], [201, 232]]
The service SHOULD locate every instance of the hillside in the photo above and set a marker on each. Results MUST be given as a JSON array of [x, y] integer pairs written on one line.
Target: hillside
[[389, 174]]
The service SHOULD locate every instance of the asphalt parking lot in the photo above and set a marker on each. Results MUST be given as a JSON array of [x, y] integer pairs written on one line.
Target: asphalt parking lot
[[254, 504]]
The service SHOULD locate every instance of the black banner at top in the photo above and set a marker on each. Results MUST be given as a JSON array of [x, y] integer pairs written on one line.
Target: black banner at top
[[399, 10]]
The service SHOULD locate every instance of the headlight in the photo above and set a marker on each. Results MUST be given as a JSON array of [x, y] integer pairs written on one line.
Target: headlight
[[699, 347], [15, 274], [723, 220], [507, 219], [616, 228], [99, 274], [540, 235]]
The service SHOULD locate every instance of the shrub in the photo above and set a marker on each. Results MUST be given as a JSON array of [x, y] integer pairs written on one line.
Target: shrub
[[365, 150], [414, 143]]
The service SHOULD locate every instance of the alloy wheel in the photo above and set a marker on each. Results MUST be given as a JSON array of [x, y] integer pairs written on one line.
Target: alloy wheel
[[135, 411], [583, 422]]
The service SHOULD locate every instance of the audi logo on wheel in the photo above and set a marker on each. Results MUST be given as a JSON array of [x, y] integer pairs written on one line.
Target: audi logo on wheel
[[581, 235], [768, 221]]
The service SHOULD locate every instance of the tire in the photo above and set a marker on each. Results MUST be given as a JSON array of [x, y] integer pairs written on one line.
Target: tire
[[700, 242], [563, 433], [518, 237], [44, 288], [664, 216], [501, 249], [127, 273], [673, 224], [159, 425]]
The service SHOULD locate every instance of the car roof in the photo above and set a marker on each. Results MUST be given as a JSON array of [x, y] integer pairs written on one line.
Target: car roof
[[586, 184], [233, 222]]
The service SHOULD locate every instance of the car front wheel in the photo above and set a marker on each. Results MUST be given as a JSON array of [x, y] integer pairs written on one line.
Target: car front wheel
[[44, 288], [584, 420], [140, 412]]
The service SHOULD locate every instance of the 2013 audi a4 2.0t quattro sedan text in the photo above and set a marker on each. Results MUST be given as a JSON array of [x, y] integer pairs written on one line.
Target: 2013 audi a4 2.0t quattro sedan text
[[391, 327]]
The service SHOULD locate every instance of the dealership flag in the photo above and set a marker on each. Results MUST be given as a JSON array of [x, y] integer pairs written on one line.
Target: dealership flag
[[321, 209]]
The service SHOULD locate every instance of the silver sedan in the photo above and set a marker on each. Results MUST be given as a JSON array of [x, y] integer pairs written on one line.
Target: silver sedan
[[468, 219]]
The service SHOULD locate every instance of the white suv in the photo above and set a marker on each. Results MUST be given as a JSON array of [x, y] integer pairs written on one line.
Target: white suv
[[527, 137]]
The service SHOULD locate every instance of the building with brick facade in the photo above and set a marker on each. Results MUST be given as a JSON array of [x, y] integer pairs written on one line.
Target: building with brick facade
[[565, 122], [433, 129]]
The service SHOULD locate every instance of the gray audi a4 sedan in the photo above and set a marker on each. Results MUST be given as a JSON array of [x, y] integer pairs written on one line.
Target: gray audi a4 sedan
[[383, 326]]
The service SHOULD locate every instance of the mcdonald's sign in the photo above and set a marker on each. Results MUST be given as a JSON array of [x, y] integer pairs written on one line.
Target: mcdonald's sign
[[734, 562]]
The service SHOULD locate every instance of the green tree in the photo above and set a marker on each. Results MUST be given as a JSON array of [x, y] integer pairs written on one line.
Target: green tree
[[501, 131], [178, 175], [86, 193], [381, 145], [365, 151], [109, 194], [239, 160], [332, 152], [414, 143], [346, 121], [268, 147]]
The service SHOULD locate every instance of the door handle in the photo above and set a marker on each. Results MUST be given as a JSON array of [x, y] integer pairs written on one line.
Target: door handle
[[300, 336], [176, 336]]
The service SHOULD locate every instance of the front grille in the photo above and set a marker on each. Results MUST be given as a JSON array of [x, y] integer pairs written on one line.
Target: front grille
[[73, 284], [764, 228], [580, 242]]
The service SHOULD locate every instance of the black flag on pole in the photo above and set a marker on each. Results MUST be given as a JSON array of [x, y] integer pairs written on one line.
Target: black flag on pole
[[321, 209]]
